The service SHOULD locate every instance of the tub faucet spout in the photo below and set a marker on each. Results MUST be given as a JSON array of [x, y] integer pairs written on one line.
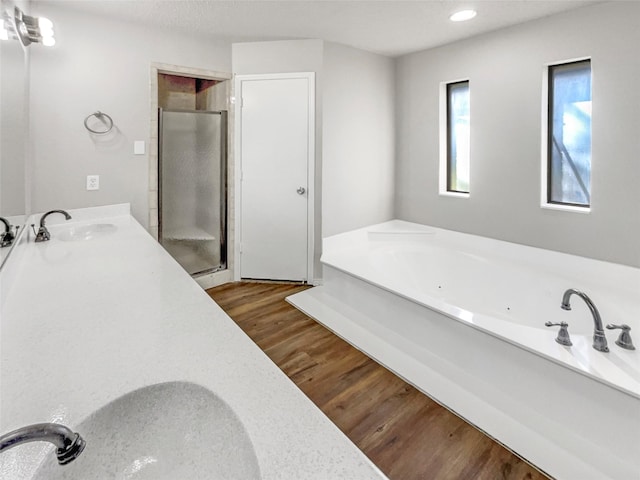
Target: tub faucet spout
[[599, 340], [69, 444]]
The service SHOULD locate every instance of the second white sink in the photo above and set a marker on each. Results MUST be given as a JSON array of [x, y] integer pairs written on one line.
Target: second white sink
[[85, 232]]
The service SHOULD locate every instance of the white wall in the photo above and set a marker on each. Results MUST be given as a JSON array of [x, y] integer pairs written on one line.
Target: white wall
[[358, 139], [505, 69], [102, 65], [285, 56]]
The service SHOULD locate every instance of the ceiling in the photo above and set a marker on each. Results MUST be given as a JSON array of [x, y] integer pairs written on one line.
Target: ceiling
[[388, 27]]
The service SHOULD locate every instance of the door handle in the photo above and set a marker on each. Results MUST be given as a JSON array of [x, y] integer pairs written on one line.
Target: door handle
[[301, 190]]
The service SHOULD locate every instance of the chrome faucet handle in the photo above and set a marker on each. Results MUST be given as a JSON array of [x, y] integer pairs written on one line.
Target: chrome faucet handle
[[563, 337], [624, 340]]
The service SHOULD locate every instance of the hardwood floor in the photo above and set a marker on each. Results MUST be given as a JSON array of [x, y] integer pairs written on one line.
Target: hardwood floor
[[405, 433]]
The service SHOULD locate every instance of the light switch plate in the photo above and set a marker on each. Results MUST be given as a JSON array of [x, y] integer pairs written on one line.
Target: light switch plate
[[138, 147]]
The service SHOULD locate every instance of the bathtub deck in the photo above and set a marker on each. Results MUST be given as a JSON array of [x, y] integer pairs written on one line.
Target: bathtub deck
[[406, 434]]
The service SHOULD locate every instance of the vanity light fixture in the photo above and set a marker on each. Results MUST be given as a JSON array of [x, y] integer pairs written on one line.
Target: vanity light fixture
[[27, 29], [4, 32], [463, 15]]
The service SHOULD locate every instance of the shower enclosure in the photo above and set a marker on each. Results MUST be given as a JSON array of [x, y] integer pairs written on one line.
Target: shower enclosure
[[192, 188]]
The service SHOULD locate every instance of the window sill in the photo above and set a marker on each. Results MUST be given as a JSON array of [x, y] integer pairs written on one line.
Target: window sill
[[566, 208], [454, 194]]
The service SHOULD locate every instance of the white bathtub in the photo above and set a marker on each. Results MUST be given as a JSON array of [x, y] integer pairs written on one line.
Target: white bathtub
[[407, 295]]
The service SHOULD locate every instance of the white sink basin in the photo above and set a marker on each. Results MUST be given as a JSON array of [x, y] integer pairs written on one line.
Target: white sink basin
[[85, 232], [174, 431]]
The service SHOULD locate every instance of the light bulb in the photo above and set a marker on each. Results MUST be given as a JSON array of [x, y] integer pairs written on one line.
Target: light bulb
[[463, 15], [45, 23], [48, 41], [46, 31]]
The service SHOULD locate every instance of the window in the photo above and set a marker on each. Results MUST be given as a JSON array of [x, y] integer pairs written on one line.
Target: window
[[569, 134], [458, 134]]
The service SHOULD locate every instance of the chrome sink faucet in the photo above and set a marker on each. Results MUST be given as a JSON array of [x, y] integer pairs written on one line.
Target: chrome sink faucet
[[69, 444], [599, 340], [7, 238], [43, 234]]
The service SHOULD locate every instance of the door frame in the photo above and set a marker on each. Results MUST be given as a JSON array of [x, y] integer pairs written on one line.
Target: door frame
[[311, 157]]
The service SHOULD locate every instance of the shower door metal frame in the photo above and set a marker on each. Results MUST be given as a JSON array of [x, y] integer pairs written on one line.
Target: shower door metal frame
[[223, 175]]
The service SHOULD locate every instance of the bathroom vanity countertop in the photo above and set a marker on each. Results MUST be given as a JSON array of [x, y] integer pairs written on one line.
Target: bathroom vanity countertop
[[88, 321]]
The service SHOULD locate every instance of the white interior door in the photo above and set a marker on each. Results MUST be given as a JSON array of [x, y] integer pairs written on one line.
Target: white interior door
[[276, 160]]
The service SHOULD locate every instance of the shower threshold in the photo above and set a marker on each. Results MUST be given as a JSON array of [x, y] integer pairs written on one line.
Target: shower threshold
[[197, 257]]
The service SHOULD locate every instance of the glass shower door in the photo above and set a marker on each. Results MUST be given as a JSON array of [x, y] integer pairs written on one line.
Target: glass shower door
[[192, 188]]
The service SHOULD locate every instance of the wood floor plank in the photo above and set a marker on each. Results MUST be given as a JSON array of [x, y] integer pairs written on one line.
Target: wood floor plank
[[405, 433]]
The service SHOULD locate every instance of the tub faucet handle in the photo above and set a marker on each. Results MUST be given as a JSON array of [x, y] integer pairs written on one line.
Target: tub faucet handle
[[563, 337], [624, 340]]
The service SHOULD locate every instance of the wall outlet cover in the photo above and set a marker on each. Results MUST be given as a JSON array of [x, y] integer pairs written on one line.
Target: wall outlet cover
[[93, 182]]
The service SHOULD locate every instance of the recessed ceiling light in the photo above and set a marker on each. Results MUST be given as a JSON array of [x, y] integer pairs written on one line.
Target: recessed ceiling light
[[463, 15]]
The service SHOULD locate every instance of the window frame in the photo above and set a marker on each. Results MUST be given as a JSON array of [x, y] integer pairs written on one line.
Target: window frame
[[547, 141], [446, 139]]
